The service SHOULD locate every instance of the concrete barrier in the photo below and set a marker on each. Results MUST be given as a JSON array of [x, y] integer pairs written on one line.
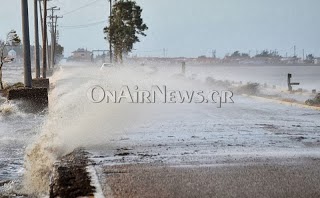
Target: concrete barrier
[[36, 98], [41, 83], [70, 176]]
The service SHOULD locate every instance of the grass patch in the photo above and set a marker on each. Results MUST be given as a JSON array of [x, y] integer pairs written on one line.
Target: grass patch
[[249, 89], [6, 90]]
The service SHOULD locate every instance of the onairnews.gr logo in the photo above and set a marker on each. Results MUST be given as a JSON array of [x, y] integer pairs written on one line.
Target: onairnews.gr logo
[[157, 95]]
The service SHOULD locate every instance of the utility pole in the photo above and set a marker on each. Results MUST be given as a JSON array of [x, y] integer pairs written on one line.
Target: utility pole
[[45, 44], [55, 38], [52, 31], [44, 40], [55, 34], [41, 16], [303, 55], [52, 44], [110, 41], [36, 34], [53, 25], [41, 20], [26, 44], [294, 53]]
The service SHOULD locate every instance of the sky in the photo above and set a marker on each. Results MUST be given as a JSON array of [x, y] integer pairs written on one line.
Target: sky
[[187, 28]]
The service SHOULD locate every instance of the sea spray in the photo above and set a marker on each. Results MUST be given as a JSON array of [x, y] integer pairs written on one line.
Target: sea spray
[[73, 121], [7, 108], [41, 155], [40, 158]]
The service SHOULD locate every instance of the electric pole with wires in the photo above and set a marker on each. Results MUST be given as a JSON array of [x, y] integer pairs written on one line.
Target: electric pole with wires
[[44, 38], [53, 24]]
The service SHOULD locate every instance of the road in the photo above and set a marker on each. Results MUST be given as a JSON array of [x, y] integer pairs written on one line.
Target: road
[[253, 148], [176, 150], [297, 178]]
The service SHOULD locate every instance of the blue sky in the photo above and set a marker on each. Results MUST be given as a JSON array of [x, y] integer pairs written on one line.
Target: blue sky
[[190, 28]]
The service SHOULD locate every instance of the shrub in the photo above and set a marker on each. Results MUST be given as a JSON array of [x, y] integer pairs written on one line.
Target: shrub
[[14, 86], [315, 101], [250, 89]]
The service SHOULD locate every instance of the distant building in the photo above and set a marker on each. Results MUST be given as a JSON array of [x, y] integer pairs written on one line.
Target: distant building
[[291, 60], [81, 54]]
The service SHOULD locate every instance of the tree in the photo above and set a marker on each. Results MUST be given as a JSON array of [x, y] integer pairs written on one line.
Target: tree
[[310, 58], [236, 54], [267, 54], [11, 40], [126, 24], [59, 50]]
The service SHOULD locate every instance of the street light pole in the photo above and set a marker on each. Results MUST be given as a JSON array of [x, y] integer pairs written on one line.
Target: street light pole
[[26, 44], [36, 34]]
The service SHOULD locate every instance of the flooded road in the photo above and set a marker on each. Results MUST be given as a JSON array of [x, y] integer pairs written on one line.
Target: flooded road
[[247, 131]]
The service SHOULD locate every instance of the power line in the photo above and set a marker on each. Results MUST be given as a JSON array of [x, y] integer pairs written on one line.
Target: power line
[[82, 25], [84, 6]]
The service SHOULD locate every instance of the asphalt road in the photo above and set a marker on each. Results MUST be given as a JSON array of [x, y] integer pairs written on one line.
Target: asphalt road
[[295, 179]]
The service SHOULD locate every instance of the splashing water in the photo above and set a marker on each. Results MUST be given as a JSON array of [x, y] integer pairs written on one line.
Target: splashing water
[[73, 121], [7, 109]]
